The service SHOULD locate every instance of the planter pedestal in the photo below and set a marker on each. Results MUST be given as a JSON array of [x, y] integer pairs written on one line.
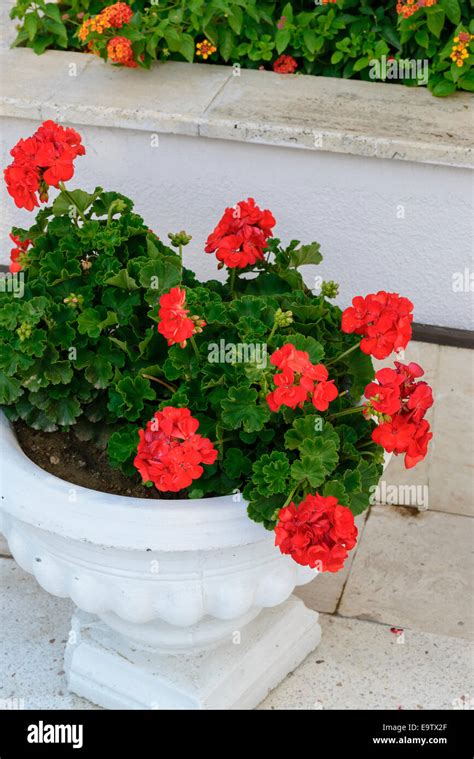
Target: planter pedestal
[[113, 671]]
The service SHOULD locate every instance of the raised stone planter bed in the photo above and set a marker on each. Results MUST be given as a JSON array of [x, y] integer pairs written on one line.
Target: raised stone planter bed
[[377, 172]]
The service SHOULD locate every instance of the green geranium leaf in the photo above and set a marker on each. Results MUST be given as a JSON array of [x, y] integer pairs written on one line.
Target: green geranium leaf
[[271, 473], [9, 315], [11, 360], [122, 446], [122, 280], [337, 490], [57, 266], [99, 372], [236, 463], [59, 373], [91, 321], [309, 468], [309, 428], [312, 347], [263, 509], [323, 449], [66, 204], [352, 481], [160, 276], [306, 254], [369, 476], [10, 389], [129, 397], [240, 408]]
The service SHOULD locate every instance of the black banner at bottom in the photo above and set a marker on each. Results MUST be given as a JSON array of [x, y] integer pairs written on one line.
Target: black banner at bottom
[[376, 733]]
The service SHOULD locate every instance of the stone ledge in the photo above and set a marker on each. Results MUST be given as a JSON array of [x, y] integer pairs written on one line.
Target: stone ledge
[[368, 119]]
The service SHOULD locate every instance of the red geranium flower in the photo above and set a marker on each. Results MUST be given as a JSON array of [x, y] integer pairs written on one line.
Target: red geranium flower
[[400, 403], [384, 319], [285, 64], [324, 393], [241, 235], [286, 393], [18, 251], [402, 436], [384, 393], [418, 445], [175, 323], [170, 453], [22, 184], [394, 436], [40, 161], [299, 380], [318, 533]]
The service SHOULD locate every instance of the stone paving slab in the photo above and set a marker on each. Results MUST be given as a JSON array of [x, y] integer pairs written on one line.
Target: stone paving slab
[[35, 627], [358, 665], [413, 569], [451, 462], [362, 665]]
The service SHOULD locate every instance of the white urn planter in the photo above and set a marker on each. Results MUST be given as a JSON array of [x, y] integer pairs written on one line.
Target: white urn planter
[[180, 604]]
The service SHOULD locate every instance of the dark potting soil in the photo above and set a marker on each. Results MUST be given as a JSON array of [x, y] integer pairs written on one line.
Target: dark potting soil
[[80, 462]]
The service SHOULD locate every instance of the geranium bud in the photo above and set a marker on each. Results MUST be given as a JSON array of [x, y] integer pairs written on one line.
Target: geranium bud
[[329, 289]]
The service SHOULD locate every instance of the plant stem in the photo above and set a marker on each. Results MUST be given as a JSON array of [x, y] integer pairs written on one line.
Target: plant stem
[[232, 282], [195, 348], [343, 355], [288, 500], [355, 410], [219, 441], [272, 333], [162, 382], [66, 192]]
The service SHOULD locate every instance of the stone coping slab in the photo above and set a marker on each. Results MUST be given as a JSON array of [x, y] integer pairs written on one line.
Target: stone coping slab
[[368, 119]]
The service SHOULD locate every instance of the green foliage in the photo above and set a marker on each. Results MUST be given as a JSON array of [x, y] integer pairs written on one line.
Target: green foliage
[[340, 39], [69, 347], [81, 350]]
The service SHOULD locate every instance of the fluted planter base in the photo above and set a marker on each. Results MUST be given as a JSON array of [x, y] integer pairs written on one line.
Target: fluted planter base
[[111, 670]]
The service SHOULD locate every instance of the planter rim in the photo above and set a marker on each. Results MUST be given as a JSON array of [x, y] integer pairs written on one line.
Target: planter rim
[[368, 119], [39, 498]]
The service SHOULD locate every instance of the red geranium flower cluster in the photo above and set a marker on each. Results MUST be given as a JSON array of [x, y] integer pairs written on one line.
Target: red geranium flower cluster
[[170, 453], [241, 235], [299, 381], [384, 320], [401, 404], [40, 161], [285, 64], [318, 533], [18, 253], [175, 325]]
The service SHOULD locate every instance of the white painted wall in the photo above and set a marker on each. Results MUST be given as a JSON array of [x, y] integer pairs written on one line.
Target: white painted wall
[[350, 204]]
